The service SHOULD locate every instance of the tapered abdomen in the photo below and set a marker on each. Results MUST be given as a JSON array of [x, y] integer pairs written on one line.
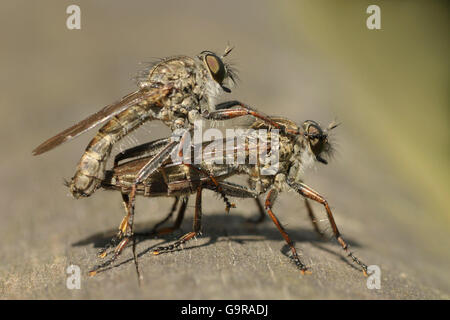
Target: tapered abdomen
[[91, 168]]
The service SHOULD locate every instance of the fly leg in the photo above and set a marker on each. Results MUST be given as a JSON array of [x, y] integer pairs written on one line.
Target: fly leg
[[160, 223], [307, 192], [122, 230], [217, 185], [232, 189], [196, 226], [261, 216], [146, 149], [152, 149], [178, 220], [125, 233], [122, 227], [154, 164], [270, 199], [234, 109]]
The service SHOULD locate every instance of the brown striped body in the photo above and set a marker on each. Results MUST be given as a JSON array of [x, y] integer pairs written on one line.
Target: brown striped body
[[91, 167], [171, 180]]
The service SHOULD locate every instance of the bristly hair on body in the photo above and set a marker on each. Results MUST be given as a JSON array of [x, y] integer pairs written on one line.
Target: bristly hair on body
[[330, 147], [143, 74]]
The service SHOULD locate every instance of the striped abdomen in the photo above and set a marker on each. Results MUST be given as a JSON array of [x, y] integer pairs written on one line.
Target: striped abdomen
[[91, 168]]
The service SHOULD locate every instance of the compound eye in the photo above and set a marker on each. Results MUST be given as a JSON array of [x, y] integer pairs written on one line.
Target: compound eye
[[313, 129], [315, 136], [216, 67]]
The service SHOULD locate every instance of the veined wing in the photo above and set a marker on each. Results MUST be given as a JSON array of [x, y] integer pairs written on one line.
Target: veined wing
[[151, 96], [223, 151]]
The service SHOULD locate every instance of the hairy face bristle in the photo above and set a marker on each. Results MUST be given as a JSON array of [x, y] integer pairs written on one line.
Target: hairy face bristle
[[319, 140]]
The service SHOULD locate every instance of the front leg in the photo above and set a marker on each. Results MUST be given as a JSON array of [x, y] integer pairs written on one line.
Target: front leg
[[270, 200], [308, 192], [196, 226]]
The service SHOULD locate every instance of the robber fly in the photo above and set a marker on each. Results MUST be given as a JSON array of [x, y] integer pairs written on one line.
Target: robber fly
[[176, 90], [295, 154]]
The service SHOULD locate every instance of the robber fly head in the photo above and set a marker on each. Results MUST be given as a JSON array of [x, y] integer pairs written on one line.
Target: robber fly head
[[219, 71], [317, 139]]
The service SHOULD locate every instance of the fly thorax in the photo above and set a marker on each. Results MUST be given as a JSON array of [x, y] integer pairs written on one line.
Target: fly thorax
[[307, 158], [210, 89], [213, 91]]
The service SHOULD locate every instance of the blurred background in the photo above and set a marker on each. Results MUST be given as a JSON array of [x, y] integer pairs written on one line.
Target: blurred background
[[388, 183]]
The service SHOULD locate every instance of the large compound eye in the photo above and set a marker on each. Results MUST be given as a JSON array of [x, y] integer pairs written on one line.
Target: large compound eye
[[317, 139], [316, 134], [216, 67], [312, 129]]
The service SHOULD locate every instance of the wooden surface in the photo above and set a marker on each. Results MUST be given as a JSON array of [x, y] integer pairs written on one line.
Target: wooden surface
[[57, 77]]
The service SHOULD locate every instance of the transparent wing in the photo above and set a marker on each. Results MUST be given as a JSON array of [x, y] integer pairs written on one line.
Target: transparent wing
[[232, 151], [151, 96]]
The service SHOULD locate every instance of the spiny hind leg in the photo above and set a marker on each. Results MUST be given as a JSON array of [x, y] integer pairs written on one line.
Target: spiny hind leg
[[231, 189], [196, 226], [217, 186], [156, 230]]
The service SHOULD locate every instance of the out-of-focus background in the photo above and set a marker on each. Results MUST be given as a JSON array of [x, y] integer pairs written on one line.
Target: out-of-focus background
[[388, 183]]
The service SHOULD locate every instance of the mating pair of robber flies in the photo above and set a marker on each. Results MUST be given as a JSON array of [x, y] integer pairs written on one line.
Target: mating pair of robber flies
[[178, 91]]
